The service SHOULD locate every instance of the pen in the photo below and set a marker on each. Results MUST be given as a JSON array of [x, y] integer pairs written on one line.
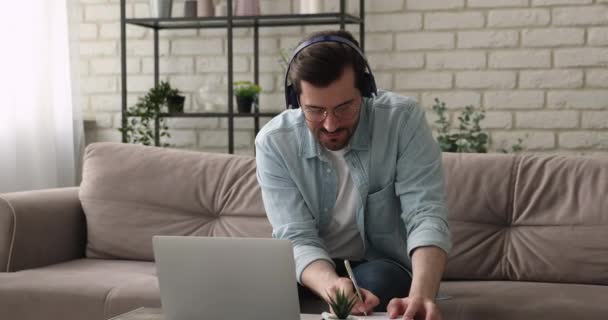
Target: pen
[[351, 275]]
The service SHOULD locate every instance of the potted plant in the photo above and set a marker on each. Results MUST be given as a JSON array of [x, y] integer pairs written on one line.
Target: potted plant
[[341, 305], [175, 102], [469, 137], [139, 127], [246, 92]]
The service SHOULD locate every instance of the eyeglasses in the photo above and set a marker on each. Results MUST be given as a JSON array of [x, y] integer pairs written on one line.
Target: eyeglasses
[[344, 112]]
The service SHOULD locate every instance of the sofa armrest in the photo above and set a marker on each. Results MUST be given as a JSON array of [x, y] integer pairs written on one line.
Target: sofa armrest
[[40, 228]]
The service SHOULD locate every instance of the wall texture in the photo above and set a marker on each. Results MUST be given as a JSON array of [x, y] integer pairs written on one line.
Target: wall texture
[[538, 67]]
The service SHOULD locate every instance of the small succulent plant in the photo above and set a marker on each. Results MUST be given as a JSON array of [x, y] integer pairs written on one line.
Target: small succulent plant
[[341, 304]]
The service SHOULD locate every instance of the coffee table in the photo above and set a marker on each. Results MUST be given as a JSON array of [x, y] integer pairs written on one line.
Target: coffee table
[[157, 314]]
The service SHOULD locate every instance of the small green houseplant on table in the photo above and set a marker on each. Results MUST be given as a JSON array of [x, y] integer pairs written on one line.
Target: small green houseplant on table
[[341, 305]]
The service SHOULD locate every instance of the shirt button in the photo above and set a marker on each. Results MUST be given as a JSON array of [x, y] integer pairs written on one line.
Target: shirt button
[[325, 209], [328, 170]]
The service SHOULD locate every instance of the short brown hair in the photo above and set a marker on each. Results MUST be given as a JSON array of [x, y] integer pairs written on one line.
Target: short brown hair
[[324, 62]]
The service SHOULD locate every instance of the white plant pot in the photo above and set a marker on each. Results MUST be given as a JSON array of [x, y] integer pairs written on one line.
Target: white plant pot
[[311, 6], [331, 316]]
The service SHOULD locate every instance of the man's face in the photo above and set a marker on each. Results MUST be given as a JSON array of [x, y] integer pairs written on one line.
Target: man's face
[[339, 104]]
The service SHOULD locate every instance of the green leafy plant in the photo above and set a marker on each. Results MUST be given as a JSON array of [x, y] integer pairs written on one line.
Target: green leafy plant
[[139, 127], [516, 147], [468, 137], [341, 304], [246, 89]]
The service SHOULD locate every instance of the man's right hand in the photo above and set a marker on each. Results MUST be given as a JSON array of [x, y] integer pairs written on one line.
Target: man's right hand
[[321, 277], [370, 301]]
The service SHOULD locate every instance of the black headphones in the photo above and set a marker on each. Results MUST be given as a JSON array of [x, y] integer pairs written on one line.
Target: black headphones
[[368, 84]]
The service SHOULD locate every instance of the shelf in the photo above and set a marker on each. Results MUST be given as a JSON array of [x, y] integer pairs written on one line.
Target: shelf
[[229, 22], [245, 21], [216, 115]]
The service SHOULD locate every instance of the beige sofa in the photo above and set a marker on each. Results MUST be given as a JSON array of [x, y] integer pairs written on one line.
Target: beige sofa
[[530, 233]]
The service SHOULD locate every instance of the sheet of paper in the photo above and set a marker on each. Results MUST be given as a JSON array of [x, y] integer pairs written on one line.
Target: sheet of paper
[[376, 316]]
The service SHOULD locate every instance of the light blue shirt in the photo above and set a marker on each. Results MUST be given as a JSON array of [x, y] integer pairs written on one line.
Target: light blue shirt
[[394, 162]]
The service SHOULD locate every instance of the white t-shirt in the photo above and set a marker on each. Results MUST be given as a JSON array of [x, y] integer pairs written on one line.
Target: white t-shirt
[[341, 236]]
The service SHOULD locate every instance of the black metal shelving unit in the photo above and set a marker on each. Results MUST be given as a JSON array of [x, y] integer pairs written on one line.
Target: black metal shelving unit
[[229, 22]]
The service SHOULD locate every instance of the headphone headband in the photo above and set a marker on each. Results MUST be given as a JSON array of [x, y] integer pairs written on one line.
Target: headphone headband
[[369, 83]]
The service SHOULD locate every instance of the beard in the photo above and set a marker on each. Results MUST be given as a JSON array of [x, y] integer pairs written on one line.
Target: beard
[[335, 140]]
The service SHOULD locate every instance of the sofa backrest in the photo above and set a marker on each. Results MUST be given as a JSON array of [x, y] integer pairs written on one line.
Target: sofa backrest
[[130, 193], [528, 217], [512, 217]]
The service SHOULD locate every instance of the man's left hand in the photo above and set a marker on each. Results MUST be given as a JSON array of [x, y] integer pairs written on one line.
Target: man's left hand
[[413, 308]]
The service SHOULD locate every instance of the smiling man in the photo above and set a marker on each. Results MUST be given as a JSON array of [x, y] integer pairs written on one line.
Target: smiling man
[[354, 173]]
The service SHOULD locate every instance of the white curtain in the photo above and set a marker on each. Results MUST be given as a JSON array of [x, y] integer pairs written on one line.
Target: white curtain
[[41, 131]]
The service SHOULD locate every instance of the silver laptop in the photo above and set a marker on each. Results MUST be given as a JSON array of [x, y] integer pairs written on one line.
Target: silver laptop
[[226, 278]]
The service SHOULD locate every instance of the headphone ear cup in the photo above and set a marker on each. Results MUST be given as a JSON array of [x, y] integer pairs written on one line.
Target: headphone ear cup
[[291, 97], [368, 85]]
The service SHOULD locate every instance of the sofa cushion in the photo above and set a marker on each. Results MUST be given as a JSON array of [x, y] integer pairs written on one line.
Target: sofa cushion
[[130, 193], [528, 217], [478, 189], [91, 289], [508, 300]]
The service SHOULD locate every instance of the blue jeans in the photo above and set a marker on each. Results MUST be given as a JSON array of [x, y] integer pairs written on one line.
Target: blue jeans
[[384, 278]]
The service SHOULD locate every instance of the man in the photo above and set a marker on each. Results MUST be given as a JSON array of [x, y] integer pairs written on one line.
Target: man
[[355, 174]]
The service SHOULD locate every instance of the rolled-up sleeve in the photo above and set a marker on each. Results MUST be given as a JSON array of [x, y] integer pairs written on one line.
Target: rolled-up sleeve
[[285, 207], [419, 183]]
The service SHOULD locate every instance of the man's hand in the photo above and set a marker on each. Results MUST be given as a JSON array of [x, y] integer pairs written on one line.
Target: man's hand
[[370, 301], [413, 308]]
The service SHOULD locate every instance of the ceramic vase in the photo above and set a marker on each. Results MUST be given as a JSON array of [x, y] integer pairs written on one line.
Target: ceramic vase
[[246, 7], [206, 8], [161, 8], [190, 8], [311, 6]]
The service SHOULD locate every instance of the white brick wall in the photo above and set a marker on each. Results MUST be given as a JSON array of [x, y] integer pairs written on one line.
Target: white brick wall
[[496, 3], [392, 61], [587, 99], [567, 78], [597, 78], [553, 37], [538, 67], [556, 2], [466, 20], [595, 120], [486, 79], [456, 60], [514, 99], [394, 22], [584, 140], [424, 80], [520, 59], [587, 15], [581, 57], [433, 4], [487, 39], [518, 18], [424, 40], [598, 36], [457, 99], [547, 119], [533, 140], [194, 47]]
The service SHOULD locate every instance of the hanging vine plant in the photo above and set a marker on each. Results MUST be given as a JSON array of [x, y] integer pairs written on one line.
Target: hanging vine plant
[[141, 116]]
